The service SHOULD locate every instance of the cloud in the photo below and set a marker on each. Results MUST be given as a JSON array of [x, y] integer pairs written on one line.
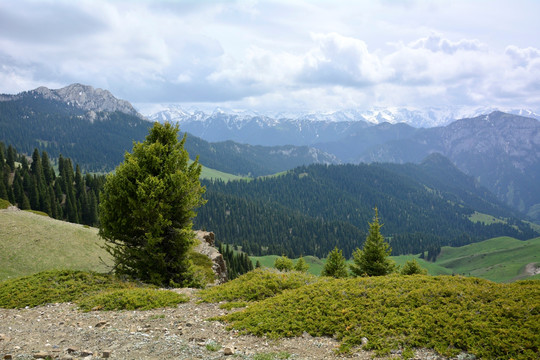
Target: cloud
[[436, 43], [272, 54]]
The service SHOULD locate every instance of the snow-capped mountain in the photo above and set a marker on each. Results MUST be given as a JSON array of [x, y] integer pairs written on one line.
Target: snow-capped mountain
[[310, 128]]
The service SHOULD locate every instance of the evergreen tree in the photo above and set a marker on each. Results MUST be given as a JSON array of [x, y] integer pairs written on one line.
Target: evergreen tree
[[258, 264], [147, 207], [48, 172], [335, 265], [10, 157], [412, 267], [301, 265], [283, 263], [374, 259]]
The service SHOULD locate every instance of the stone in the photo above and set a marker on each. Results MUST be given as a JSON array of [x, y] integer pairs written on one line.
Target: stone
[[71, 350], [228, 351], [8, 357], [100, 324], [85, 353], [106, 354], [364, 341], [41, 355]]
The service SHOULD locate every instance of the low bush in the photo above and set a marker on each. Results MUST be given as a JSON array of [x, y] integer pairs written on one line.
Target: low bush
[[447, 314], [257, 285], [132, 299], [55, 286], [89, 290]]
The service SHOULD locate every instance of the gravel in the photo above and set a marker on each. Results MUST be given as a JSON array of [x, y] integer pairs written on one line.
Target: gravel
[[60, 331]]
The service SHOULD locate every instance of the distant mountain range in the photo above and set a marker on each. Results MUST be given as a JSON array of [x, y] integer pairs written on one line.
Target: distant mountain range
[[95, 129], [500, 150]]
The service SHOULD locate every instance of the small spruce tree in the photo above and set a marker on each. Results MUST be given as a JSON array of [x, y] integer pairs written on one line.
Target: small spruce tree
[[301, 265], [283, 263], [335, 265], [374, 258], [412, 267]]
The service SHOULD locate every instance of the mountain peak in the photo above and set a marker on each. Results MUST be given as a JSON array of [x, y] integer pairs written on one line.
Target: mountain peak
[[87, 98]]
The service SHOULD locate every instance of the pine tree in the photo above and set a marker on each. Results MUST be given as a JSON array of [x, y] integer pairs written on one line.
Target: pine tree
[[374, 259], [147, 207], [283, 263], [412, 267], [301, 265], [335, 265]]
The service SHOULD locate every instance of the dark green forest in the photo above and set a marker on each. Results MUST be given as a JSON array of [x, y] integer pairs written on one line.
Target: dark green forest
[[34, 185], [312, 209], [98, 142]]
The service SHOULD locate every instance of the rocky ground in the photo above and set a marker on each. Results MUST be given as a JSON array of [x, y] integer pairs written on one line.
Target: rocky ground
[[61, 331]]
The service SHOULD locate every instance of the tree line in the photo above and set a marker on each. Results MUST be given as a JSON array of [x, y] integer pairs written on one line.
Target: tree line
[[33, 184]]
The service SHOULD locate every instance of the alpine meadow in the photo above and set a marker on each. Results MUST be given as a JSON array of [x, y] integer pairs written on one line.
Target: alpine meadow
[[270, 180]]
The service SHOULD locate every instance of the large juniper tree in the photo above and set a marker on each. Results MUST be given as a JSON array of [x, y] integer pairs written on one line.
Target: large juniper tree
[[374, 259], [147, 207]]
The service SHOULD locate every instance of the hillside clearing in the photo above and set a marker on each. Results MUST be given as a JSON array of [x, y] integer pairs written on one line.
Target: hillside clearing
[[32, 243]]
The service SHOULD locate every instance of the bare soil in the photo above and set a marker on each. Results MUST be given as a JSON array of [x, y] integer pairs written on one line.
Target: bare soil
[[60, 331]]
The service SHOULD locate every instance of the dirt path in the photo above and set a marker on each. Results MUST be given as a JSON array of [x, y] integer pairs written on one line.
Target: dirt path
[[61, 331]]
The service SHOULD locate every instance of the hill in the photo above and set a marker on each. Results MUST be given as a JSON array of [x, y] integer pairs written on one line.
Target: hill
[[309, 210], [32, 243]]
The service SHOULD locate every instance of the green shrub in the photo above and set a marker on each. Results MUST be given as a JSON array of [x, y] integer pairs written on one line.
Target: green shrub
[[412, 267], [55, 286], [233, 305], [4, 204], [283, 263], [132, 299], [445, 313], [37, 212], [202, 269], [257, 285]]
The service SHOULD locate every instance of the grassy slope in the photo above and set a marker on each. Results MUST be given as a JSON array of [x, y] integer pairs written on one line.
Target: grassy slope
[[31, 243], [208, 173], [500, 259]]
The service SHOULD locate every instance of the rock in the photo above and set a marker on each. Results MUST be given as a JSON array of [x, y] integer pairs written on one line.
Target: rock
[[8, 357], [3, 337], [41, 355], [206, 248], [85, 353], [364, 341], [100, 324], [71, 350], [106, 354], [228, 351]]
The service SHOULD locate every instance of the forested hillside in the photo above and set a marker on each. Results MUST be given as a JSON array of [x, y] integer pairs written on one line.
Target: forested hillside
[[34, 185], [97, 140], [309, 210]]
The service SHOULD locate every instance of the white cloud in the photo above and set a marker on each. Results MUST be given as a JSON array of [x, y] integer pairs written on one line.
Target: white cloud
[[276, 53]]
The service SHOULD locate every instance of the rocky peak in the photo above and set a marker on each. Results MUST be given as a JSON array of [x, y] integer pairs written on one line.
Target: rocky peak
[[87, 98]]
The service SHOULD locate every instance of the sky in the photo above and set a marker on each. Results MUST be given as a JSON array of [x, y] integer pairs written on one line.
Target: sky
[[279, 55]]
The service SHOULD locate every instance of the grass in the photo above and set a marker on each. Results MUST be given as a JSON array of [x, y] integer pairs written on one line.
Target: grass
[[485, 219], [315, 264], [32, 243], [208, 173], [91, 291], [450, 314], [501, 259]]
